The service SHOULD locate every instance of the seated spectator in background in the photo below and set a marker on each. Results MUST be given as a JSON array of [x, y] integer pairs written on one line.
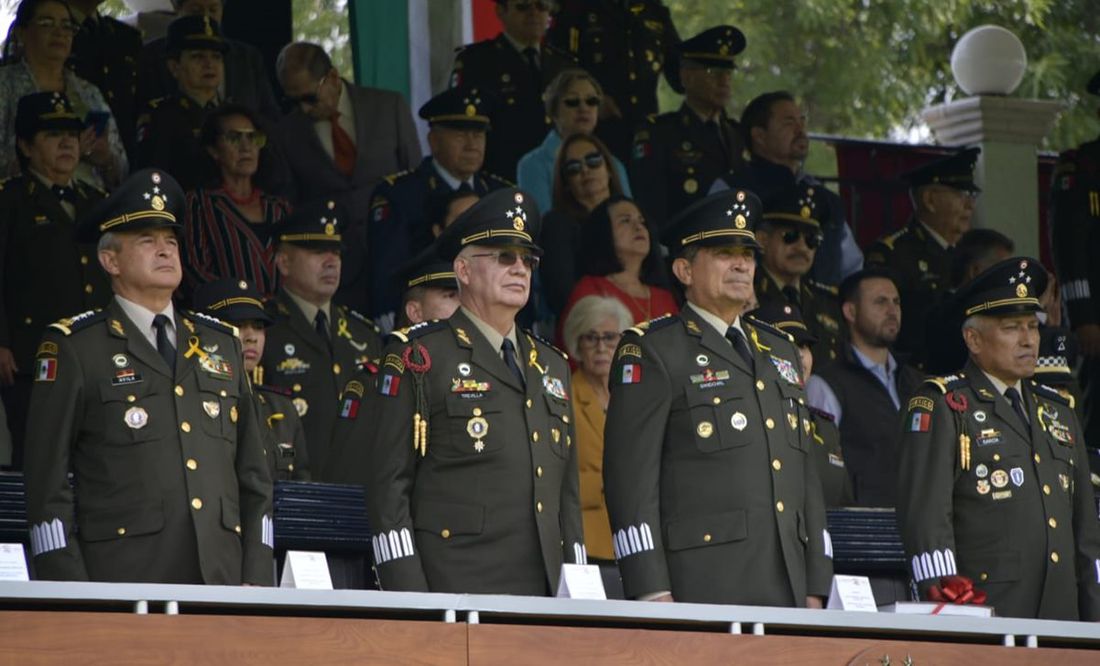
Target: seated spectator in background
[[441, 211], [45, 274], [620, 259], [38, 45], [246, 80], [827, 452], [230, 227], [863, 390], [573, 101], [106, 53], [582, 181], [169, 127], [398, 226], [238, 303], [338, 143], [774, 129], [790, 234], [592, 331]]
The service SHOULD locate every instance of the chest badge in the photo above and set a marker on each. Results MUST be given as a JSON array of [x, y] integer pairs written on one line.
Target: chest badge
[[212, 408], [478, 428], [136, 417], [738, 421]]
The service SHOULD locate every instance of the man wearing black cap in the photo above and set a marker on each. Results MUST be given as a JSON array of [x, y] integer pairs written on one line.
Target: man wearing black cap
[[472, 466], [789, 235], [994, 484], [315, 345], [710, 492], [459, 122], [46, 273], [1074, 214], [168, 129], [678, 155], [149, 408], [515, 66], [238, 303], [919, 256]]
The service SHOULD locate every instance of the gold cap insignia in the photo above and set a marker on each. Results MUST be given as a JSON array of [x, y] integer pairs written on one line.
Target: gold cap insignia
[[242, 284], [157, 202], [739, 221], [330, 229], [207, 29], [805, 212], [471, 110], [1021, 290]]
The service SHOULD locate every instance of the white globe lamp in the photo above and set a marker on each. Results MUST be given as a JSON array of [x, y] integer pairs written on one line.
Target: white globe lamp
[[989, 60]]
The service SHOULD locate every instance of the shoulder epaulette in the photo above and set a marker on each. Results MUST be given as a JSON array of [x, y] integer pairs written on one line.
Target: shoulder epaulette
[[414, 332], [889, 239], [363, 318], [157, 101], [394, 176], [822, 413], [499, 179], [87, 187], [948, 383], [1053, 394], [215, 323], [10, 180], [274, 389], [546, 342], [770, 328], [653, 324], [71, 325], [821, 286]]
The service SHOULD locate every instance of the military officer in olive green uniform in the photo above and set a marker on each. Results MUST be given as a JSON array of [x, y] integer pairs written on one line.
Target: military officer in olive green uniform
[[46, 274], [835, 482], [711, 489], [994, 481], [148, 407], [315, 345], [919, 256], [472, 464], [237, 302], [790, 234]]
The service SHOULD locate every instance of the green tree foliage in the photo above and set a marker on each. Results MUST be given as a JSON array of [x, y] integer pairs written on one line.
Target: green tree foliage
[[867, 68], [325, 22]]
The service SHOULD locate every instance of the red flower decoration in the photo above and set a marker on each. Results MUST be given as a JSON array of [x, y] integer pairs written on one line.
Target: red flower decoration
[[419, 368], [956, 590], [957, 401]]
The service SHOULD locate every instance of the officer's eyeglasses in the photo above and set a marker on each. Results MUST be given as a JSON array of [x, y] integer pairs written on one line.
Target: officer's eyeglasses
[[812, 238], [308, 99], [574, 102], [237, 138], [50, 23], [509, 258], [528, 6], [593, 160], [593, 339]]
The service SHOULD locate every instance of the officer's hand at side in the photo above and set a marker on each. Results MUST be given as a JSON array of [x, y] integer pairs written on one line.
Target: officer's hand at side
[[95, 148], [1088, 336], [7, 367], [815, 602]]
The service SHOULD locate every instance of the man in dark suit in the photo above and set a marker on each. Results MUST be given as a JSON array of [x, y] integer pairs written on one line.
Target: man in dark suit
[[711, 491], [399, 226], [338, 144], [149, 408], [994, 480], [314, 345], [45, 273], [246, 78], [471, 468], [516, 67]]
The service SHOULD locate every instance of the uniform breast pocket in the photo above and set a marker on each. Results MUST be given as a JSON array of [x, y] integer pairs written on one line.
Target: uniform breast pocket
[[132, 413], [560, 416], [720, 421], [469, 427], [796, 420], [220, 409]]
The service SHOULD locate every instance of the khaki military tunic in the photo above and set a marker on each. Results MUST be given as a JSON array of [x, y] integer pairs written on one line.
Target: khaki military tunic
[[1010, 506], [490, 503], [285, 440], [710, 486], [836, 483], [347, 459], [170, 484]]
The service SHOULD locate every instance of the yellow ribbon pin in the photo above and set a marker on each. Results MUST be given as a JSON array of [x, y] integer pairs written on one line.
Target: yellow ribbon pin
[[194, 348]]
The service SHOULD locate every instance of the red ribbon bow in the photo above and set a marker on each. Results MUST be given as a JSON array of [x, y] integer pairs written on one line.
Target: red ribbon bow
[[957, 401], [955, 590]]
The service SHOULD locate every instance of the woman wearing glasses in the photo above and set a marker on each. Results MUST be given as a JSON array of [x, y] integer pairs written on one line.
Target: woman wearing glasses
[[573, 101], [228, 230], [592, 331], [39, 42]]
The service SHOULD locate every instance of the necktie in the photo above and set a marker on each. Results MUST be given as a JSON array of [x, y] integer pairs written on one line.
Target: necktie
[[63, 194], [509, 351], [716, 128], [791, 294], [532, 56], [320, 324], [164, 345], [1017, 404], [465, 187], [740, 345], [343, 149]]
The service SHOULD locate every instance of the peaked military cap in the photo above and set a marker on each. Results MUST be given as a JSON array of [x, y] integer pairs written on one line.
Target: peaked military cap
[[504, 217], [1094, 84], [42, 111], [194, 33], [786, 317], [232, 300], [314, 225], [427, 269], [955, 171], [148, 198], [714, 47], [725, 218], [1008, 287], [459, 108], [800, 204], [1056, 347]]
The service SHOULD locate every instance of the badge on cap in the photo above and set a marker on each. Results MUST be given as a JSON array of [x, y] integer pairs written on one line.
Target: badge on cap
[[136, 417]]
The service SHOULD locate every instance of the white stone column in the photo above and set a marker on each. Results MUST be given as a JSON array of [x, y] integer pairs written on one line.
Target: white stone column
[[1009, 131]]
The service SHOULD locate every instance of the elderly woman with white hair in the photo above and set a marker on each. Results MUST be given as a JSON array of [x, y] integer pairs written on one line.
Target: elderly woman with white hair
[[591, 332]]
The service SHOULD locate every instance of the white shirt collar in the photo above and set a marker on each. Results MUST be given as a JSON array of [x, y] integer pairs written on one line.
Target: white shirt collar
[[143, 319], [448, 177], [1001, 386], [493, 336], [936, 237], [716, 322]]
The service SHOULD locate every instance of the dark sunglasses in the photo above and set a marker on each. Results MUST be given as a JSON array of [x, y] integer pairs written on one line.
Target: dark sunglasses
[[574, 102], [528, 6], [812, 238], [509, 258], [593, 160]]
